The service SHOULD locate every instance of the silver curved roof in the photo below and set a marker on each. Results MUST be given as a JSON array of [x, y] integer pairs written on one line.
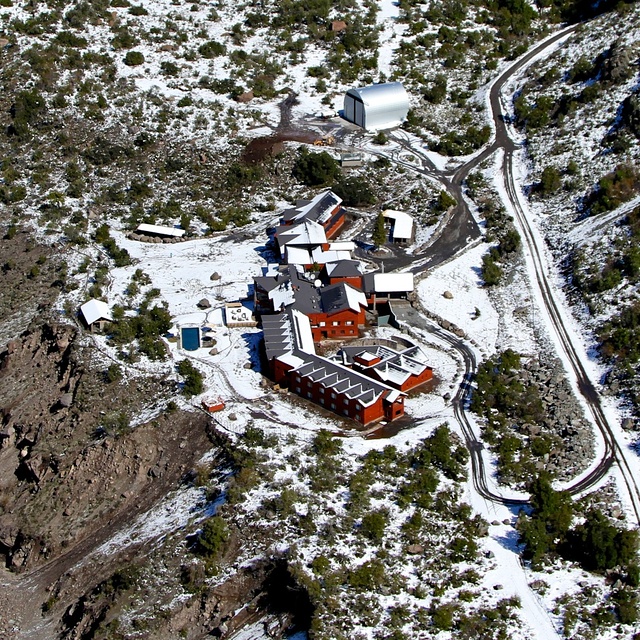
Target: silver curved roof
[[384, 104]]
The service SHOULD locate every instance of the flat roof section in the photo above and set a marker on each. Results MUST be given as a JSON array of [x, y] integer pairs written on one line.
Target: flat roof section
[[171, 232], [402, 224]]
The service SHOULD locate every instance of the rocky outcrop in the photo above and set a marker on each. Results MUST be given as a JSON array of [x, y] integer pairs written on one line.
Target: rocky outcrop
[[564, 418]]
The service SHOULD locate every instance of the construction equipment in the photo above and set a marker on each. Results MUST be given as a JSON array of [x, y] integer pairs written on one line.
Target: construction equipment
[[326, 141]]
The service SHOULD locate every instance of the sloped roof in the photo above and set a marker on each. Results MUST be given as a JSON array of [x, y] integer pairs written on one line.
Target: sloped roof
[[344, 269], [297, 255], [321, 256], [341, 296], [278, 335], [95, 310], [319, 209], [336, 376], [305, 233], [302, 331]]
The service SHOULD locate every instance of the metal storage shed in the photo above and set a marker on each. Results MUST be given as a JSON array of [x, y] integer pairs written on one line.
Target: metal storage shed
[[378, 106]]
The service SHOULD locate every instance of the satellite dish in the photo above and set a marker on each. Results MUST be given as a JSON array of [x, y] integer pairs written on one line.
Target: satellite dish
[[317, 284]]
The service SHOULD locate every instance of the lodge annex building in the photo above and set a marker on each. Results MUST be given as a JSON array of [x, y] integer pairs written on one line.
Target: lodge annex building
[[318, 291]]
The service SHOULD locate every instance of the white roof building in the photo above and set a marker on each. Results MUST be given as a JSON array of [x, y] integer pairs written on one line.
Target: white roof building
[[393, 282], [402, 224], [378, 106], [96, 310], [306, 234], [154, 229]]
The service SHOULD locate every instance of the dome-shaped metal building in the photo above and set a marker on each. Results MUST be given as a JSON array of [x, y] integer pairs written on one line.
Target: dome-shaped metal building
[[378, 106]]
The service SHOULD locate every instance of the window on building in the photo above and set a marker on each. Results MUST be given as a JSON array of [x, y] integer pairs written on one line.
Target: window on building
[[349, 322], [345, 412], [333, 395], [346, 400], [322, 324], [321, 389], [297, 389], [309, 394], [333, 406], [335, 323], [358, 406]]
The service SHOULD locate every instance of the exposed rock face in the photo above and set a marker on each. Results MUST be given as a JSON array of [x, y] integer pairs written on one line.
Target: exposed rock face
[[59, 474], [631, 113], [619, 64]]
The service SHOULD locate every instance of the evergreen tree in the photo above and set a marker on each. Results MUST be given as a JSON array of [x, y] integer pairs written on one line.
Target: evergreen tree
[[379, 232]]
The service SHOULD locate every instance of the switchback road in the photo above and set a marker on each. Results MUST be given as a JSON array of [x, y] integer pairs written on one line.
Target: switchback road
[[459, 231]]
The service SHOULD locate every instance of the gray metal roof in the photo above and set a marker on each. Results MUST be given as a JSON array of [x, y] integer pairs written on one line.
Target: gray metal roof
[[385, 105], [278, 335], [344, 269]]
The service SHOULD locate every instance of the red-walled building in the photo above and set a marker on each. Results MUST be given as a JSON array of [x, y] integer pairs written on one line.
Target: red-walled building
[[403, 370], [348, 271], [341, 312], [340, 389]]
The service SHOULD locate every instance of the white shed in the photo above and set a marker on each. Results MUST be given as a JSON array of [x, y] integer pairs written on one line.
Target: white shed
[[96, 314], [378, 106], [402, 225]]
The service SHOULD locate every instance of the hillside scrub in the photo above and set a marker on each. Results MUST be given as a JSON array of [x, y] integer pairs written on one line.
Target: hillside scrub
[[596, 543], [376, 506]]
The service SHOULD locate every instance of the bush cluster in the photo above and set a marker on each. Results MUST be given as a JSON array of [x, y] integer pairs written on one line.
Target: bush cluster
[[193, 380]]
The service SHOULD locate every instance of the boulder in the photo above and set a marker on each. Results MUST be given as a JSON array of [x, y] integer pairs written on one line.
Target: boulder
[[66, 400], [204, 304], [627, 424], [245, 97], [448, 295]]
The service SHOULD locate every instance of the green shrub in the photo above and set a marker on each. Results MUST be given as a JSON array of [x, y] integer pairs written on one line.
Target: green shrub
[[380, 138], [212, 49], [213, 537], [325, 444], [25, 111], [355, 191], [193, 379], [373, 525], [138, 10], [615, 188], [69, 39], [550, 180], [380, 235], [113, 373], [444, 201], [315, 169], [599, 545], [369, 576], [442, 616], [491, 272], [546, 528], [134, 58], [169, 69]]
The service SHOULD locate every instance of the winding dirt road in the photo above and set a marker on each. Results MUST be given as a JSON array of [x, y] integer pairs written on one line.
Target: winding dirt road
[[459, 231]]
